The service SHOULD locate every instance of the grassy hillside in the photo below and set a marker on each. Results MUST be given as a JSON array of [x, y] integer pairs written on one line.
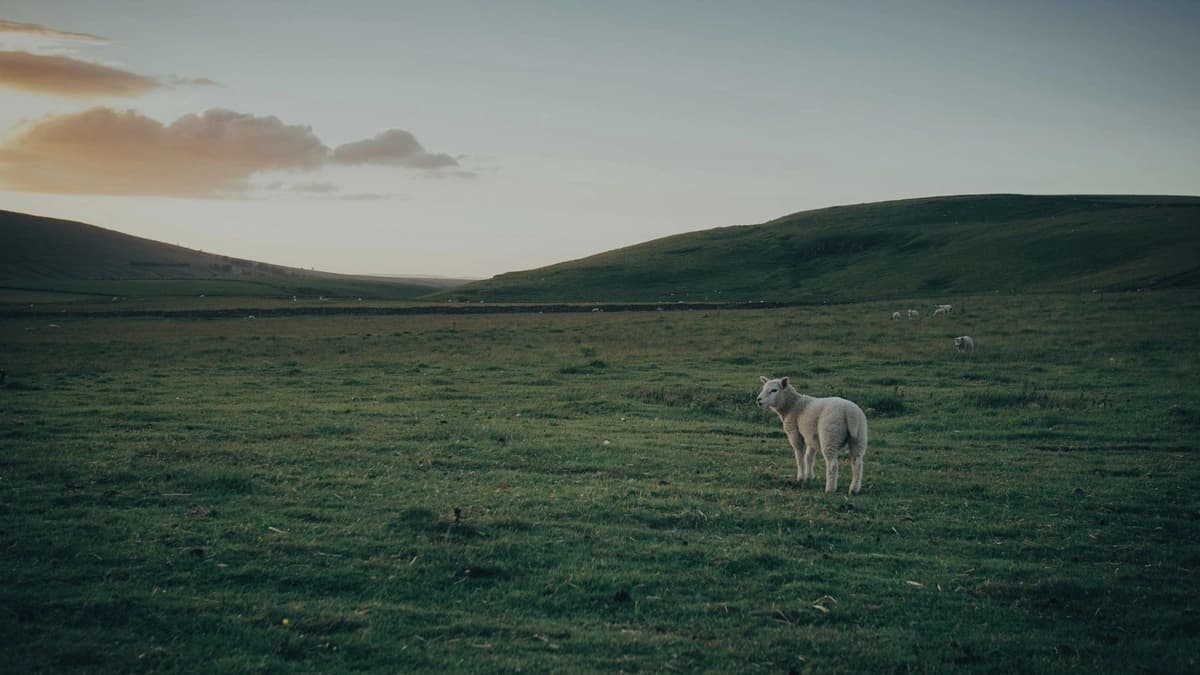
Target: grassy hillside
[[919, 247], [50, 260]]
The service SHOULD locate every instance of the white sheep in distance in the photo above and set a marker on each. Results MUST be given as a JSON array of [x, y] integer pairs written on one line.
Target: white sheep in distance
[[914, 314], [824, 424], [964, 343], [895, 316], [942, 309]]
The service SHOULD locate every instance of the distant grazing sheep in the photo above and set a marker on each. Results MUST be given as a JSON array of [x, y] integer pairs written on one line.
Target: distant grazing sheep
[[895, 316], [964, 344], [942, 309], [914, 314], [813, 424]]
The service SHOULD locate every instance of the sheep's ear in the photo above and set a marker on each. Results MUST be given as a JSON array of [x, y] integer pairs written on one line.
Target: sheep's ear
[[783, 382], [762, 378]]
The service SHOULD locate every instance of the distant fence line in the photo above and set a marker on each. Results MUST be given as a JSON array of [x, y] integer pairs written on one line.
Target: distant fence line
[[458, 309]]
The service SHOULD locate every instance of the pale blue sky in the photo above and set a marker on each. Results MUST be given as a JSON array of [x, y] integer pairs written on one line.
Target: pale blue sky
[[580, 127]]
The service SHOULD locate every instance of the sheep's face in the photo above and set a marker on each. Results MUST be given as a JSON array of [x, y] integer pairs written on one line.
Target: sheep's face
[[960, 342], [772, 392]]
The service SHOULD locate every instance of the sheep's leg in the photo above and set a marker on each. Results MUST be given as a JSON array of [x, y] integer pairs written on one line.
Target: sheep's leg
[[856, 456], [810, 461], [831, 468], [798, 448]]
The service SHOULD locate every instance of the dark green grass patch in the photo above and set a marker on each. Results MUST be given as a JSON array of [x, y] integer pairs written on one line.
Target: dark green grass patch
[[1010, 399]]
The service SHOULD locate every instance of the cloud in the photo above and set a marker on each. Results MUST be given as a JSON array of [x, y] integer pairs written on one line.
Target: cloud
[[177, 81], [62, 75], [105, 151], [314, 187], [210, 154], [44, 32], [322, 189], [394, 147], [66, 76]]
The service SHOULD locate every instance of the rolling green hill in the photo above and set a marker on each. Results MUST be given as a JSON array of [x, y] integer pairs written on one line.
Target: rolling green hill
[[932, 247], [46, 259], [918, 247]]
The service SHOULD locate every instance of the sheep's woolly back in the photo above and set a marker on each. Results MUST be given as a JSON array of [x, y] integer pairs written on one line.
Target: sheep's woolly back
[[833, 418]]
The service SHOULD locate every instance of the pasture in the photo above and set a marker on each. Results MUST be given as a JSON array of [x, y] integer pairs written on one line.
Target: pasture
[[598, 491]]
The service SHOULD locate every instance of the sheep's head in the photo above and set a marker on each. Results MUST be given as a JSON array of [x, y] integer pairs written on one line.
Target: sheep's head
[[772, 392]]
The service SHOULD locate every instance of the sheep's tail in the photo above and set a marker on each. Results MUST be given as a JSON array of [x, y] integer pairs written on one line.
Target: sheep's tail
[[856, 424]]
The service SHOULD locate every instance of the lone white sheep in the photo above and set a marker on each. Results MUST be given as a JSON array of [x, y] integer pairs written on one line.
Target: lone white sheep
[[824, 424], [964, 343], [914, 314], [895, 316]]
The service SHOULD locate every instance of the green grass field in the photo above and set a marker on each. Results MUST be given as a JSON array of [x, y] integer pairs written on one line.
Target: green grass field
[[597, 492]]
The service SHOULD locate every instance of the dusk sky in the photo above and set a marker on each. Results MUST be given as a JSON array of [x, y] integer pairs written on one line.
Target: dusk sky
[[475, 138]]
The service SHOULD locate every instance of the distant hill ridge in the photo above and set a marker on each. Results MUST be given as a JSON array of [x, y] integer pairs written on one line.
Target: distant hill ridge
[[48, 248], [38, 249], [917, 247], [935, 247]]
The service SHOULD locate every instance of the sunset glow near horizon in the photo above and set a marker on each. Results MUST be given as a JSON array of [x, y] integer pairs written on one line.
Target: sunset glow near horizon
[[475, 138]]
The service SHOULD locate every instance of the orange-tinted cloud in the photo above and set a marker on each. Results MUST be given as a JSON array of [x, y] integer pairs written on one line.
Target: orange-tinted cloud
[[41, 31], [394, 147], [65, 76], [213, 154], [105, 151], [62, 75]]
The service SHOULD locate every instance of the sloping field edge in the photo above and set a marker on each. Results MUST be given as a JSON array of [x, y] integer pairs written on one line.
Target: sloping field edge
[[549, 308]]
